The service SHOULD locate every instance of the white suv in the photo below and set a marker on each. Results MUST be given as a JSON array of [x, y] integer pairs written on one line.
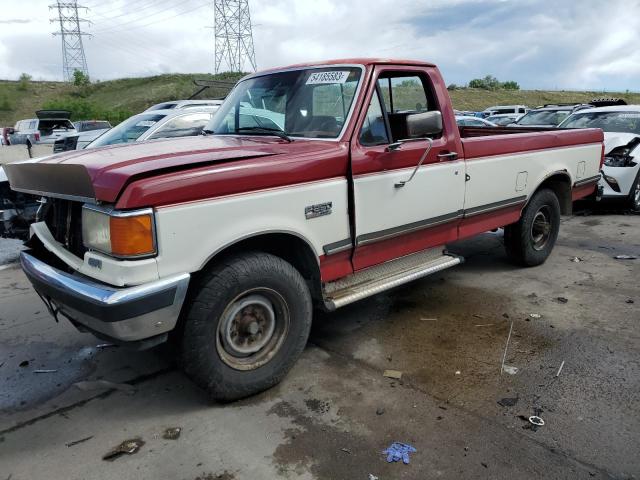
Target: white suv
[[49, 126]]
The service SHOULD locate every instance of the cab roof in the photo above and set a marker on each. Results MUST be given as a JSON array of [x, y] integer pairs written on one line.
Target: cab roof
[[348, 61]]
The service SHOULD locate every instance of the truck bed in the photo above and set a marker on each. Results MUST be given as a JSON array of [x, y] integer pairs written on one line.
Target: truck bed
[[491, 141]]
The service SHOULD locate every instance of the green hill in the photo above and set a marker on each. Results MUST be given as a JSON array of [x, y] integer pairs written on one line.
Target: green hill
[[115, 100]]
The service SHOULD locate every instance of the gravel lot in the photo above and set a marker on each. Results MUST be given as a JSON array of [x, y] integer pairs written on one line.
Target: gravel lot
[[335, 412]]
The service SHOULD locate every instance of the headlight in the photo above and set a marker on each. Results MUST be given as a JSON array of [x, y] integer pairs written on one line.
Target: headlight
[[121, 234]]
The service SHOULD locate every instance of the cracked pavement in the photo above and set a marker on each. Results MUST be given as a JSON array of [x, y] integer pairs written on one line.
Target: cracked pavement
[[335, 412]]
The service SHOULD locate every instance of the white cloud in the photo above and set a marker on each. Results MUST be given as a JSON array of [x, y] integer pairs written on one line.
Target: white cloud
[[539, 43]]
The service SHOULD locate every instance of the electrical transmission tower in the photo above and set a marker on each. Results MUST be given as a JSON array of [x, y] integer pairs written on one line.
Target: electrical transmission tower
[[72, 49], [233, 36]]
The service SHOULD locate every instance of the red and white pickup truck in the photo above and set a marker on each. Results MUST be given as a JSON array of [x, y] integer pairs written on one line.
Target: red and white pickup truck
[[315, 185]]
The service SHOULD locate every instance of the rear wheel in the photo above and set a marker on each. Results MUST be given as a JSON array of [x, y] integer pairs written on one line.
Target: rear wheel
[[530, 241], [247, 324]]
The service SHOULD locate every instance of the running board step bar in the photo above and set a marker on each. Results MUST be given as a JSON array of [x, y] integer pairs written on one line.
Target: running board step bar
[[379, 278]]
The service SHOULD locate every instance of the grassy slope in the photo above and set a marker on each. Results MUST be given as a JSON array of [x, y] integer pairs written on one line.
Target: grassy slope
[[128, 94], [135, 94]]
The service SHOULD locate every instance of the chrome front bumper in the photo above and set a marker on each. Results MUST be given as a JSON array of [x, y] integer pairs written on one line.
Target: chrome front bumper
[[128, 314]]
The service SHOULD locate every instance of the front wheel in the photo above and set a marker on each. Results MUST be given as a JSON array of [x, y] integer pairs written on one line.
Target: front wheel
[[246, 325], [530, 241]]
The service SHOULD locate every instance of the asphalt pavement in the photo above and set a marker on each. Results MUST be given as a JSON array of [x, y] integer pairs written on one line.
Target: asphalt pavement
[[568, 333]]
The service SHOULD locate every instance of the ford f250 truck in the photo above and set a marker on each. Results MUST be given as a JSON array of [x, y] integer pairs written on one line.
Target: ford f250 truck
[[314, 186]]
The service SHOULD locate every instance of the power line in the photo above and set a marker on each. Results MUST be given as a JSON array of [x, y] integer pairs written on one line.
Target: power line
[[233, 36], [73, 57], [118, 28]]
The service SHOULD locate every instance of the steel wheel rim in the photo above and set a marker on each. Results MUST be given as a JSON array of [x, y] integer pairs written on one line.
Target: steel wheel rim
[[541, 228], [252, 328]]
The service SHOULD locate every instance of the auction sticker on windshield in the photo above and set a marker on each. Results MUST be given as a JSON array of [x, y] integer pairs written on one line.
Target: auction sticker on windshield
[[145, 123], [339, 76]]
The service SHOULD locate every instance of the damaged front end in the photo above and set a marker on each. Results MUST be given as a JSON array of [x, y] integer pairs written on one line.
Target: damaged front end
[[17, 212], [621, 155]]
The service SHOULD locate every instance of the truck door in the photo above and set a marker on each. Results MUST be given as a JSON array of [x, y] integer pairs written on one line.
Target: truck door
[[402, 207]]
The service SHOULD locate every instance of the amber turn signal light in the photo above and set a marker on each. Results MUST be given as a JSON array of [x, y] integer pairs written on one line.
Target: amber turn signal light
[[132, 236]]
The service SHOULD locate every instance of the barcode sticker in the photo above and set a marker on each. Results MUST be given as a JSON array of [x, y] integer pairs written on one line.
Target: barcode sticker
[[338, 76]]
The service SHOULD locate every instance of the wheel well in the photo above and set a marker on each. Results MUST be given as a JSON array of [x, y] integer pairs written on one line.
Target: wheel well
[[560, 184], [287, 246]]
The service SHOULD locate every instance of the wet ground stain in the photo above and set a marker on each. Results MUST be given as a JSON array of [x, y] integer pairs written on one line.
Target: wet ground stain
[[448, 340], [325, 450]]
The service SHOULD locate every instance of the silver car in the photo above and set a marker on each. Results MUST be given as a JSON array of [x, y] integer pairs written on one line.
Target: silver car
[[154, 124]]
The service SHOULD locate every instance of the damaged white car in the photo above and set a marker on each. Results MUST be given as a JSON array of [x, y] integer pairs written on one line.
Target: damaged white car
[[621, 170]]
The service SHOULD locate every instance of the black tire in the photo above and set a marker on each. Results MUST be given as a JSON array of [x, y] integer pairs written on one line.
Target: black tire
[[230, 314], [634, 195], [530, 241]]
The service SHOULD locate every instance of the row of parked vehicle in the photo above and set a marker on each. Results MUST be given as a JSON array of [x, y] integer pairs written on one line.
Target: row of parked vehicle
[[178, 118], [619, 121]]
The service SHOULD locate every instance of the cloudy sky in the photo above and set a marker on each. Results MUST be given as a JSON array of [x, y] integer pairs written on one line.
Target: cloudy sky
[[546, 44]]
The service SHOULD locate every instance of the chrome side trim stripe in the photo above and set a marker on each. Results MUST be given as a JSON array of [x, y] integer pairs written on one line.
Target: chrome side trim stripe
[[470, 212], [407, 228], [336, 247], [586, 181]]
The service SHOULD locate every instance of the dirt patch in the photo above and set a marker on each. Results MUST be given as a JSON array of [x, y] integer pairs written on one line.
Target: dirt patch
[[317, 406], [216, 476]]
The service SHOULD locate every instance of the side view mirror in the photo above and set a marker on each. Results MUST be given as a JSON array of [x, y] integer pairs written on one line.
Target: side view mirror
[[11, 131], [426, 124]]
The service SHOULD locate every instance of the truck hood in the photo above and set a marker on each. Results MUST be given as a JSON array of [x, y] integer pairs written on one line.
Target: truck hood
[[101, 174], [616, 139]]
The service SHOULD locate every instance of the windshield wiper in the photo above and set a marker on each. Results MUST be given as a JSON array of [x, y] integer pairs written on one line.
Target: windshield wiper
[[206, 131], [266, 131]]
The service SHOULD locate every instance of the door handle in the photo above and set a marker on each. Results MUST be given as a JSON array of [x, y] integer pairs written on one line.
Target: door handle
[[443, 157]]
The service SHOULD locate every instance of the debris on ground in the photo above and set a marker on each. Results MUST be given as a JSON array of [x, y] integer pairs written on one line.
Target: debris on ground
[[625, 257], [89, 385], [346, 450], [560, 369], [105, 345], [562, 300], [372, 477], [506, 347], [577, 260], [24, 363], [627, 301], [458, 372], [477, 315], [399, 451], [485, 325], [536, 420], [508, 401], [46, 370], [172, 433], [395, 374], [535, 315], [510, 369], [128, 447], [380, 411], [422, 319], [76, 442]]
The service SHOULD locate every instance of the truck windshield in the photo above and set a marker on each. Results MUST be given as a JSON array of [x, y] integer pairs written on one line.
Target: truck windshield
[[311, 103], [623, 122]]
